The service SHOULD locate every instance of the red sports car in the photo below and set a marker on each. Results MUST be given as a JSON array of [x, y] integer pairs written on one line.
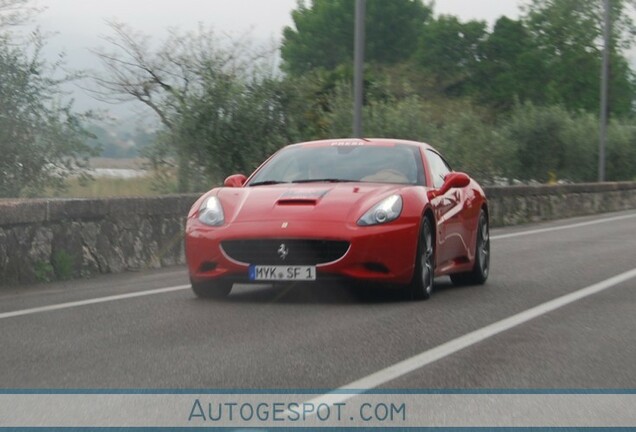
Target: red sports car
[[384, 211]]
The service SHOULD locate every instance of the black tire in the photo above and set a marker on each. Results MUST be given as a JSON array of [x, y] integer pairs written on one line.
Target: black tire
[[421, 286], [212, 289], [481, 269]]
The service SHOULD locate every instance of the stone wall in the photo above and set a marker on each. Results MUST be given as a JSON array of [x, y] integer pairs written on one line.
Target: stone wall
[[515, 205], [48, 239]]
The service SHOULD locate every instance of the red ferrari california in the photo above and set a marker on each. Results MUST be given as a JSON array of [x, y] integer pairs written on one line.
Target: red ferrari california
[[385, 211]]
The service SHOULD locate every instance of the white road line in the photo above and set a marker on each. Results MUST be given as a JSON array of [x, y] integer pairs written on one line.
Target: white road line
[[91, 301], [420, 360], [562, 227]]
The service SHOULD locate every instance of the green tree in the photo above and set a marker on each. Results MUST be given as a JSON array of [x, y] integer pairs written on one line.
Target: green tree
[[220, 107], [568, 34], [511, 67], [42, 140], [169, 78], [323, 33], [230, 126], [448, 50]]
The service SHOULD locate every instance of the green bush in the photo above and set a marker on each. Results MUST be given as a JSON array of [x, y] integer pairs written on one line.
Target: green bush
[[551, 142], [455, 127], [621, 152], [63, 265], [43, 271]]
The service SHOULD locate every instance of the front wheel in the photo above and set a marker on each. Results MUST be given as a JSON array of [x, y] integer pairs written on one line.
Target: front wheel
[[421, 286], [481, 268], [212, 288]]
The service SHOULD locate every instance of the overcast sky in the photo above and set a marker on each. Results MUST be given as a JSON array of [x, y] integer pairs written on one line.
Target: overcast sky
[[78, 24]]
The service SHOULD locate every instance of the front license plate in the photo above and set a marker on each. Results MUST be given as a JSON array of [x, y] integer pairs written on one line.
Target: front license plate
[[282, 273]]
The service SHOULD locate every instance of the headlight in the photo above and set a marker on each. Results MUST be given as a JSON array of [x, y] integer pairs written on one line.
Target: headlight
[[211, 212], [386, 211]]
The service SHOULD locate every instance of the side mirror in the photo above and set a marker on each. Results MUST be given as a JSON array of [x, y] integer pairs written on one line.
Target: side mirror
[[451, 181], [235, 180]]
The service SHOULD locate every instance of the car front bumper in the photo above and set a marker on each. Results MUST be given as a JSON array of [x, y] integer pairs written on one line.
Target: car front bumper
[[382, 253]]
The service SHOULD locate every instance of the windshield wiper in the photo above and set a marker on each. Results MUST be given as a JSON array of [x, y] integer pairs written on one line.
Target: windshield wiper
[[325, 180], [267, 182]]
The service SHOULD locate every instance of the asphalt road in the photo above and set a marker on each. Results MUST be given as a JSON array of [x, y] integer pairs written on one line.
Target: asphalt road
[[325, 337]]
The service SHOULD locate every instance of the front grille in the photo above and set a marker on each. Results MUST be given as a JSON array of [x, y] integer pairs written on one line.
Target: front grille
[[295, 251]]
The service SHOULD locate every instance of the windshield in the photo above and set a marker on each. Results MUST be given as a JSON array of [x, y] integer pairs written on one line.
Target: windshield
[[400, 164]]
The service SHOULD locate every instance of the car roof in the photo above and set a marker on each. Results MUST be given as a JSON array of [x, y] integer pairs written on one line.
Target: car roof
[[360, 142]]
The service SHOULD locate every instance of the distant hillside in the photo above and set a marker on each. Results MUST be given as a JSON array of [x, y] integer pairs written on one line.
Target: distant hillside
[[120, 144]]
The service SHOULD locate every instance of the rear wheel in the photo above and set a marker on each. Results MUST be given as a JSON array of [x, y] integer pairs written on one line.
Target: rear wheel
[[212, 289], [421, 286], [481, 269]]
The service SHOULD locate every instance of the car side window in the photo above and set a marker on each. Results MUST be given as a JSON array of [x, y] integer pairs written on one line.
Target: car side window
[[439, 168]]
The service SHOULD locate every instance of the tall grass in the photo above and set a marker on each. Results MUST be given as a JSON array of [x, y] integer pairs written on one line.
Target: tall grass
[[103, 187]]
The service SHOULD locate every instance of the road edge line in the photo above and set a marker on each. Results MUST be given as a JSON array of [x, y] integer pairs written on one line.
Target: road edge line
[[77, 303]]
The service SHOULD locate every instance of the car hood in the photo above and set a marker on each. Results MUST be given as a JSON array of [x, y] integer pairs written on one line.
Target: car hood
[[316, 201]]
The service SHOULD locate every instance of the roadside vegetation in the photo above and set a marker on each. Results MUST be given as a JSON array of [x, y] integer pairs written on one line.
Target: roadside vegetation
[[42, 140], [101, 187], [515, 102], [116, 177]]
